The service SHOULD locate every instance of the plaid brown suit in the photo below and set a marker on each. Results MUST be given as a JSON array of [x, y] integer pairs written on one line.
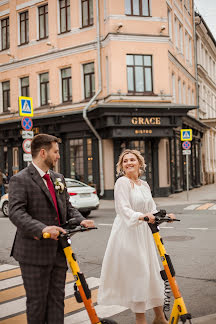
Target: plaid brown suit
[[42, 262]]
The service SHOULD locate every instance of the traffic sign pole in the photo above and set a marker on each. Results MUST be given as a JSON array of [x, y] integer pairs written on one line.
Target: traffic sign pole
[[187, 177]]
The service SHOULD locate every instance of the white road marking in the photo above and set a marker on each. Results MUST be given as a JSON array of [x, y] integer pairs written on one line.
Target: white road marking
[[8, 283], [191, 207], [102, 311], [198, 228], [5, 267], [213, 207], [105, 224], [19, 305]]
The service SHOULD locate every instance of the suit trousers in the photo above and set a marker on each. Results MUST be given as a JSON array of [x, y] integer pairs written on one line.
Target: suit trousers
[[45, 290]]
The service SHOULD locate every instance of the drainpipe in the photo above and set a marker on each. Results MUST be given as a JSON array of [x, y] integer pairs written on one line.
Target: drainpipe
[[92, 100], [195, 61]]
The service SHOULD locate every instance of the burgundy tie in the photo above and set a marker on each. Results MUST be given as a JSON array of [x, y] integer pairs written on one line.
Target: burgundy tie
[[52, 192]]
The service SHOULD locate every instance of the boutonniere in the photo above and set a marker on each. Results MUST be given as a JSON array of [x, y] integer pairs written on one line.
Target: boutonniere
[[59, 186]]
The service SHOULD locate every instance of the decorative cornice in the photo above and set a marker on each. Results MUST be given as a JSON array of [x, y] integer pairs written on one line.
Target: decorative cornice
[[27, 4], [3, 2], [5, 12], [181, 67]]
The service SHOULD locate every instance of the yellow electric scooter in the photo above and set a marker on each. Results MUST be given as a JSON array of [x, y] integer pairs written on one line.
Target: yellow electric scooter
[[82, 292], [179, 310]]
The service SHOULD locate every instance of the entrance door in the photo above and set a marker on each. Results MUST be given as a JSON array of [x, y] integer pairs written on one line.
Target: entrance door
[[145, 148]]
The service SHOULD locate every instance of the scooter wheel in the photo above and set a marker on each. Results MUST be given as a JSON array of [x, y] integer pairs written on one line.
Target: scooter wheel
[[107, 321]]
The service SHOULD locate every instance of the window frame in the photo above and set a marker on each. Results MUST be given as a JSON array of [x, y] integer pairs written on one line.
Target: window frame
[[46, 83], [140, 9], [7, 27], [69, 86], [45, 23], [92, 75], [24, 88], [26, 24], [67, 19], [89, 17], [7, 103], [144, 78]]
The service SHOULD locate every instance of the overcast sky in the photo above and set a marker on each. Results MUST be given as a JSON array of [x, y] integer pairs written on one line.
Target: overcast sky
[[207, 8]]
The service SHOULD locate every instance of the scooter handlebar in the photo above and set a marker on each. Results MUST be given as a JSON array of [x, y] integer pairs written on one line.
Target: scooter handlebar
[[70, 231]]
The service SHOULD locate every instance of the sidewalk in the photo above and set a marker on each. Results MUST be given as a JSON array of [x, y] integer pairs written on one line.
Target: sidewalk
[[196, 196]]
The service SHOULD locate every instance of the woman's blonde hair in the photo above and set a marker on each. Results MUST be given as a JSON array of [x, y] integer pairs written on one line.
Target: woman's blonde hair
[[140, 158]]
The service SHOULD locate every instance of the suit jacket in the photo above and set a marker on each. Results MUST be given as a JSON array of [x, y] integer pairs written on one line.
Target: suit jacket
[[31, 209]]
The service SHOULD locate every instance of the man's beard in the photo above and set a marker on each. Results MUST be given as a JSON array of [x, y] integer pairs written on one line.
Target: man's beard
[[49, 162]]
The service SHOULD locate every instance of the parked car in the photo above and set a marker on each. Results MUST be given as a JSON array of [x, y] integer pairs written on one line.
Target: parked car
[[82, 197], [4, 205]]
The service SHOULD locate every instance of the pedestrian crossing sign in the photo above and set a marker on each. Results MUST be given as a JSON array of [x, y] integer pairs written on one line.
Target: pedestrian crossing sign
[[25, 106], [186, 134]]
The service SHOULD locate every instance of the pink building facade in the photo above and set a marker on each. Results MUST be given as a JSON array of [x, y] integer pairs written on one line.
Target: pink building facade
[[103, 76]]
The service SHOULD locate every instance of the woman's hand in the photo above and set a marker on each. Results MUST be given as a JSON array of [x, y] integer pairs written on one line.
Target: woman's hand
[[150, 216], [172, 216]]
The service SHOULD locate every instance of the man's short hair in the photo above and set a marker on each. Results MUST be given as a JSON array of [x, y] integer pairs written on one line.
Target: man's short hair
[[42, 141]]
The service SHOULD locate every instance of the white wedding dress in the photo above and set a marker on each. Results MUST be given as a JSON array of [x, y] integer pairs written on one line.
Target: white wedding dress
[[130, 274]]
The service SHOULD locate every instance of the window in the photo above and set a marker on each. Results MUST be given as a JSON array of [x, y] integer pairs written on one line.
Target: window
[[66, 85], [139, 73], [173, 88], [43, 21], [44, 88], [5, 34], [76, 159], [6, 95], [24, 28], [170, 23], [187, 46], [65, 25], [180, 38], [190, 50], [184, 93], [176, 32], [137, 7], [89, 80], [87, 13], [179, 91], [24, 83]]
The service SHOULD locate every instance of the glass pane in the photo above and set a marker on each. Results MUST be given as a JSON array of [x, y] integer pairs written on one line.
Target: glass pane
[[4, 43], [88, 68], [147, 60], [41, 22], [70, 89], [62, 3], [91, 11], [76, 159], [145, 8], [136, 7], [47, 26], [63, 21], [66, 72], [87, 86], [93, 83], [24, 81], [138, 60], [68, 19], [130, 59], [27, 31], [148, 80], [22, 32], [130, 79], [6, 85], [43, 94], [139, 80], [64, 90], [44, 77], [85, 13], [128, 7]]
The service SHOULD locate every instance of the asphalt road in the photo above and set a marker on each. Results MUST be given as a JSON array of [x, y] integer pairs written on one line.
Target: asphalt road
[[190, 244]]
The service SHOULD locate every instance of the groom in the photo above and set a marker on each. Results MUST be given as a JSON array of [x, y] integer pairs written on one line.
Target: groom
[[39, 203]]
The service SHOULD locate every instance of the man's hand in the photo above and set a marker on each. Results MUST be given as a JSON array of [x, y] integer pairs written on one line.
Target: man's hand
[[172, 216], [53, 231], [87, 223]]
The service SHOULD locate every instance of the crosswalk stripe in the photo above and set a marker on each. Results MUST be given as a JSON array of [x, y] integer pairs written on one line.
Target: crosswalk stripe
[[191, 207], [213, 207], [13, 300], [4, 267], [205, 206]]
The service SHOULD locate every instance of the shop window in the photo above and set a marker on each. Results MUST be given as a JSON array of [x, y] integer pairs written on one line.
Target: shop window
[[24, 82], [139, 74], [24, 28], [76, 159], [66, 85], [90, 161], [87, 13], [65, 24], [5, 34], [137, 7], [43, 21], [44, 88], [89, 80], [6, 95]]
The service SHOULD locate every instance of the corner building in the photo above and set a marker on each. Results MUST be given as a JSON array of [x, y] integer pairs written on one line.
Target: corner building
[[104, 76]]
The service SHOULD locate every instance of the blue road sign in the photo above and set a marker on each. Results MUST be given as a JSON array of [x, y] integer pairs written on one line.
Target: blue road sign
[[27, 123], [186, 145], [25, 106]]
